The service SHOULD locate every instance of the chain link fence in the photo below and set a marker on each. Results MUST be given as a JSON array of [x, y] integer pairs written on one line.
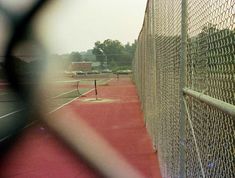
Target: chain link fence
[[184, 70]]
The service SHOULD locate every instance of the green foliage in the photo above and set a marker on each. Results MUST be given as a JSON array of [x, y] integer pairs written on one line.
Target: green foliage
[[117, 55], [114, 53], [88, 55], [75, 57]]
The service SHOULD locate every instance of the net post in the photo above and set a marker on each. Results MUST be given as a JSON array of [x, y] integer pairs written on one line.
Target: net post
[[183, 59], [78, 92], [96, 93]]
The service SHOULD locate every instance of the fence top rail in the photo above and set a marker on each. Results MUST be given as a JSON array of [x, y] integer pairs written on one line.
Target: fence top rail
[[221, 105]]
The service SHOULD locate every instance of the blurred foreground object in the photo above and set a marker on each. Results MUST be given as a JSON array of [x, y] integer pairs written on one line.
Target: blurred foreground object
[[32, 85]]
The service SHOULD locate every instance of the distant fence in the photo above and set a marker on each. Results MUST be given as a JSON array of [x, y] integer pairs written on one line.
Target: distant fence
[[184, 69]]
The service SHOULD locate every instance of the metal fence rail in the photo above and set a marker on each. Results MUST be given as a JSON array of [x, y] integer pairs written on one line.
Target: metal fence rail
[[184, 70]]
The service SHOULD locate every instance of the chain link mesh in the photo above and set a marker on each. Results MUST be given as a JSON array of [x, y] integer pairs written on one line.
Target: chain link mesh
[[210, 70]]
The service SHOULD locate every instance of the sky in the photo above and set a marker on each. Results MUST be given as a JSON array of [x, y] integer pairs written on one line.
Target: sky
[[75, 25]]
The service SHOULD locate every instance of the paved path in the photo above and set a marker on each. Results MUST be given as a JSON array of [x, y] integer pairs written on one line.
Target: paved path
[[39, 154]]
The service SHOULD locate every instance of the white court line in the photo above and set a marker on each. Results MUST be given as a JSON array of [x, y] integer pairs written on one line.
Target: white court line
[[100, 81], [74, 99], [4, 138], [48, 113], [54, 110], [64, 93], [67, 81], [28, 125], [103, 80], [8, 136], [31, 123], [110, 80], [14, 112], [11, 113], [71, 90]]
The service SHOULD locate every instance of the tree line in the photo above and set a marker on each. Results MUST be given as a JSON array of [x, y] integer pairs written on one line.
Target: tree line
[[111, 54]]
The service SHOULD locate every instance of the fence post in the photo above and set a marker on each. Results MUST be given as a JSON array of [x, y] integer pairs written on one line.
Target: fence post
[[183, 59]]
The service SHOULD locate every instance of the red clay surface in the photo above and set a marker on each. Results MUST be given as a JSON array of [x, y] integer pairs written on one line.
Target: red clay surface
[[39, 154]]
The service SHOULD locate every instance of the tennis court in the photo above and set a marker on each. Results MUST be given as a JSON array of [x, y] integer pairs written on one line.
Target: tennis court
[[12, 113], [39, 153]]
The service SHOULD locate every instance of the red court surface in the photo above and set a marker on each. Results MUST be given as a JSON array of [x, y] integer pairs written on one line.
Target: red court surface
[[37, 153]]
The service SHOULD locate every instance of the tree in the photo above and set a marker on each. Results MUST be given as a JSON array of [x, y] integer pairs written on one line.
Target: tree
[[115, 52], [98, 51], [88, 55], [75, 57]]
